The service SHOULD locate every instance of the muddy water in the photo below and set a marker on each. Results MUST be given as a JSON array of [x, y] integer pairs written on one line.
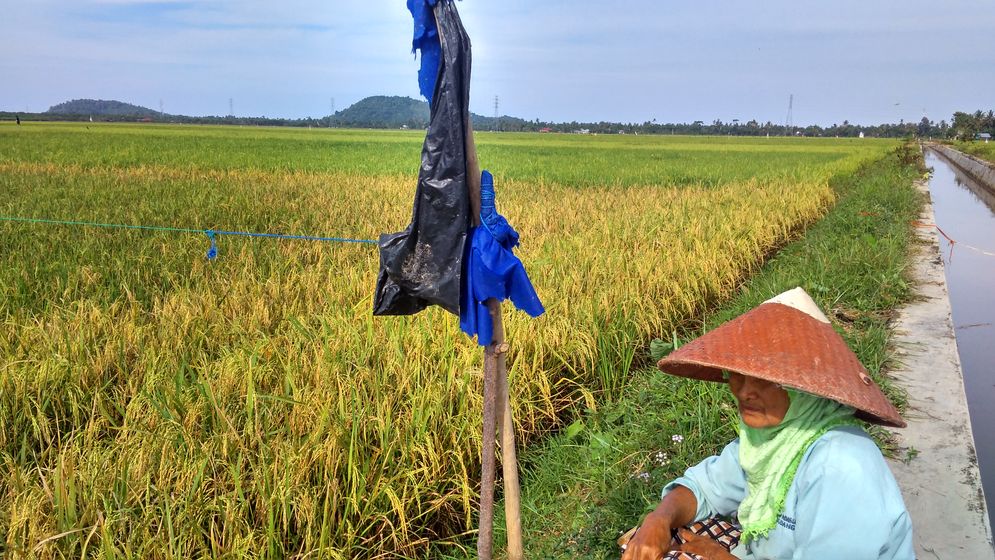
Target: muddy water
[[965, 211]]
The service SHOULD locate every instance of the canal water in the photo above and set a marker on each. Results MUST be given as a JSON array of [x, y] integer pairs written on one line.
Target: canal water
[[965, 212]]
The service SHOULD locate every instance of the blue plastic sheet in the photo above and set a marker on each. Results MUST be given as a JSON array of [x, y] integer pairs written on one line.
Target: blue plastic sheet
[[426, 40], [493, 270]]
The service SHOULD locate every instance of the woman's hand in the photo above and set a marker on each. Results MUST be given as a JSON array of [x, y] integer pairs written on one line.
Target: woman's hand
[[651, 541], [703, 546]]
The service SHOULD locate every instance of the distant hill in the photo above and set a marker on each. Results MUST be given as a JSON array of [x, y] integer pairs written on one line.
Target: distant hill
[[100, 107], [382, 111], [378, 111]]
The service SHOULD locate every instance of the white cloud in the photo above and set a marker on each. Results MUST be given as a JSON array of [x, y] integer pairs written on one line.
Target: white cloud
[[554, 59]]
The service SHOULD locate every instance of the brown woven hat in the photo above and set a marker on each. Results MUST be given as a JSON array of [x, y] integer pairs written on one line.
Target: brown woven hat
[[786, 340]]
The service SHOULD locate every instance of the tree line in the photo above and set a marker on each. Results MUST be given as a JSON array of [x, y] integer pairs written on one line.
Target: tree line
[[404, 112], [967, 126]]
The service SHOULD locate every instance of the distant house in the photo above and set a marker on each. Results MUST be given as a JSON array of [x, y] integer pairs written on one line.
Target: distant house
[[545, 129], [983, 136]]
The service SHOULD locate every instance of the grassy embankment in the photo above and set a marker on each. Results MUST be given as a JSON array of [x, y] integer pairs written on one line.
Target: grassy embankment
[[598, 478], [155, 404], [985, 151]]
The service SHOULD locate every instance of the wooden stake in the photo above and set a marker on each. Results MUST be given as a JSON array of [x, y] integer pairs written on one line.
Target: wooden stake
[[506, 428], [497, 409], [485, 541], [485, 531]]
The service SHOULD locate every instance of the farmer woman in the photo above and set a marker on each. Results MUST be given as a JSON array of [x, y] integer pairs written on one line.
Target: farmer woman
[[803, 480]]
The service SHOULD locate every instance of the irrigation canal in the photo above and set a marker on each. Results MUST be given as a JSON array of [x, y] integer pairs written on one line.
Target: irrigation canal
[[965, 212]]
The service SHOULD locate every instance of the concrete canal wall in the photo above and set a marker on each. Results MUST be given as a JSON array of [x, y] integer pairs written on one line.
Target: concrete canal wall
[[979, 169], [939, 474]]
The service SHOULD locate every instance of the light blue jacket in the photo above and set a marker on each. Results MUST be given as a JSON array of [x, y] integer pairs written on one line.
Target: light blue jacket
[[843, 503]]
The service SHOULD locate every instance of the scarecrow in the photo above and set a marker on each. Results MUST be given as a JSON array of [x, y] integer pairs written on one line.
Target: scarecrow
[[457, 251]]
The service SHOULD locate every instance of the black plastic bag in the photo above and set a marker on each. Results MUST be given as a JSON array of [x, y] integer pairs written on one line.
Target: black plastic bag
[[423, 264]]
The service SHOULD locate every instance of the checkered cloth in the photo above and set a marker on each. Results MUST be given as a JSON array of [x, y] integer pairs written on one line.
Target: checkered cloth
[[723, 532]]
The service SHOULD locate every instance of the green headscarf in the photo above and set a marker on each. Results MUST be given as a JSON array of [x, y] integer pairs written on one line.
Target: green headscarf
[[770, 456]]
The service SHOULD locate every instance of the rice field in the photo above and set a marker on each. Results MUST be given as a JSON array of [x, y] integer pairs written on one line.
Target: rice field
[[157, 404]]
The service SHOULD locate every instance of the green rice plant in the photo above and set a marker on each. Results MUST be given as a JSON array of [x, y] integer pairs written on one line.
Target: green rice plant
[[157, 404]]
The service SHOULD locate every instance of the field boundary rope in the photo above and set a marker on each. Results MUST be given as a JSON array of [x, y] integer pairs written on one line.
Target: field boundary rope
[[210, 233], [951, 240]]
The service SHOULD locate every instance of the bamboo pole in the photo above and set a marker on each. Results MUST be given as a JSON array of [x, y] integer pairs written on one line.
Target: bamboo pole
[[497, 414], [485, 530], [485, 533], [506, 429]]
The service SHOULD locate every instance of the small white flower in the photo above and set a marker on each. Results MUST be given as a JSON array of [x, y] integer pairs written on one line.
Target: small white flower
[[660, 458], [677, 438]]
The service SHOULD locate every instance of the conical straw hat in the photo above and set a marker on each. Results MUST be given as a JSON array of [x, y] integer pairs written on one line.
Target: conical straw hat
[[786, 340]]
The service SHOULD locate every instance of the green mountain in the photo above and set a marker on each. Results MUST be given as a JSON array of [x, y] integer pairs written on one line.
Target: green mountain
[[382, 111], [378, 111], [100, 107]]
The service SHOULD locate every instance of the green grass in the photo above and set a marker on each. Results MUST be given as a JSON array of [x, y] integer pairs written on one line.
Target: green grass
[[586, 486], [983, 150]]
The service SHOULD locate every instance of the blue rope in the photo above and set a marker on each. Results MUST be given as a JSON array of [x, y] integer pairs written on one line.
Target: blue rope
[[96, 224], [301, 237], [210, 233]]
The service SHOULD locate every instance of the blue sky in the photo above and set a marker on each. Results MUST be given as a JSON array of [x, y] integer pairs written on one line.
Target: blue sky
[[631, 60]]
